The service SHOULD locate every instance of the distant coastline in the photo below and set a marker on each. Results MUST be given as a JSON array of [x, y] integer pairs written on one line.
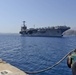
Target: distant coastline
[[70, 32]]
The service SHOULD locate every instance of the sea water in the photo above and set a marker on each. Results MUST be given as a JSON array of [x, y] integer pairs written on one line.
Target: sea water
[[37, 53]]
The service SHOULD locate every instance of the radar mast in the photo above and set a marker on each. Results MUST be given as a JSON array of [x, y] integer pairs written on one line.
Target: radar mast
[[24, 23], [24, 26]]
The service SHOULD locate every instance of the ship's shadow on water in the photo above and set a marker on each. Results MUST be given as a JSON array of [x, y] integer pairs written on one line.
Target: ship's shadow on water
[[37, 53]]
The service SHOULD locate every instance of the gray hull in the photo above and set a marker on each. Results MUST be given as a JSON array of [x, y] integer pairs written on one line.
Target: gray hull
[[47, 33]]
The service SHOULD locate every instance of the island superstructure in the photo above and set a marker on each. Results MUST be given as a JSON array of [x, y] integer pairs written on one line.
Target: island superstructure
[[56, 31]]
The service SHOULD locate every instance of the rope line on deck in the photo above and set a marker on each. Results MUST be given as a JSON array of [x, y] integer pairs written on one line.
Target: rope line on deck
[[49, 68]]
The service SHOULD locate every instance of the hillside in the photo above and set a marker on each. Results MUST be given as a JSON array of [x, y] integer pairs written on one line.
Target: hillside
[[70, 32]]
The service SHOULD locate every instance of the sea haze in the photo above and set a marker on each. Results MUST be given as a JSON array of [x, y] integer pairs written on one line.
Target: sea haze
[[37, 53]]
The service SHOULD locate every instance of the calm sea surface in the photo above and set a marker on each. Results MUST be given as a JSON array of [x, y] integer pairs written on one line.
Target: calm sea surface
[[37, 53]]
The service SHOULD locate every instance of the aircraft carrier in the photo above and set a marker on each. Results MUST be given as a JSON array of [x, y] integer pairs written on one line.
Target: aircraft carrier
[[56, 31]]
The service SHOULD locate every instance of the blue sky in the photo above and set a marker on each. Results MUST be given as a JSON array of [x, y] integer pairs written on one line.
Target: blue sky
[[41, 13]]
